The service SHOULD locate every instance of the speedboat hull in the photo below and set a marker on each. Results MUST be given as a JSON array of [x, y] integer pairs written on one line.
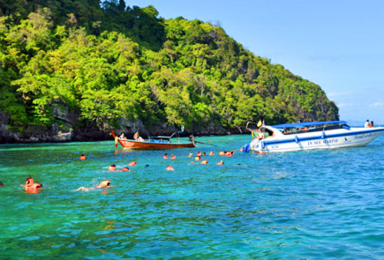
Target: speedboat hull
[[330, 139]]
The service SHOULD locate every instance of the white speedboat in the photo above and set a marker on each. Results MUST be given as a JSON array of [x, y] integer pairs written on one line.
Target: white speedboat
[[311, 135]]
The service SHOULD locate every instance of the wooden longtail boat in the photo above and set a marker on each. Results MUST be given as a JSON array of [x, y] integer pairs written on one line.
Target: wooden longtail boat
[[157, 142]]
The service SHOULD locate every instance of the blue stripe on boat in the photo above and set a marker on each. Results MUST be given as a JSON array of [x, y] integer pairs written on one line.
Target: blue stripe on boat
[[293, 140]]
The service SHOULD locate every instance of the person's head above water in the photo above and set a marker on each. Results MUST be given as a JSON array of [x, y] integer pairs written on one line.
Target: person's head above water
[[104, 184], [1, 184], [29, 181]]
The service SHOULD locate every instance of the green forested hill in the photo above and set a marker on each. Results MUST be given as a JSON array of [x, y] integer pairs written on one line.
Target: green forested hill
[[107, 62]]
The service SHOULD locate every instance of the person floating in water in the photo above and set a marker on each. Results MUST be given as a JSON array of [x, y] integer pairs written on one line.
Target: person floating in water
[[112, 168], [220, 163], [1, 184], [133, 163], [103, 184], [31, 186], [30, 183]]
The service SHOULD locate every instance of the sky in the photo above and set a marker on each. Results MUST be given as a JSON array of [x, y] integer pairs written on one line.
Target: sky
[[337, 44]]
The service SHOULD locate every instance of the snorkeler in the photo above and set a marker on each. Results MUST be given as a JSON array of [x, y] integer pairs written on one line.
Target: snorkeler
[[112, 168], [170, 168], [133, 163], [103, 184]]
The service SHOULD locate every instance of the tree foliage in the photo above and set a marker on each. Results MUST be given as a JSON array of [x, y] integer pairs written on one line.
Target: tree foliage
[[112, 61]]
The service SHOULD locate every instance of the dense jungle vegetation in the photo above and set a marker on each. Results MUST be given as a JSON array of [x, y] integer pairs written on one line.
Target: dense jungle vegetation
[[105, 61]]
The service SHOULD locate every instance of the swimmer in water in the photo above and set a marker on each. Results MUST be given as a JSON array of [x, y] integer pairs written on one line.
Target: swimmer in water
[[103, 184], [220, 163], [190, 155], [173, 157], [133, 163], [82, 157], [197, 158], [31, 186], [112, 168], [198, 154], [125, 169], [211, 153], [30, 183], [1, 184], [165, 156], [204, 162], [170, 168]]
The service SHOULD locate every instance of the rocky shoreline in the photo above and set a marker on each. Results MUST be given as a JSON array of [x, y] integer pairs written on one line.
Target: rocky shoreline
[[67, 130]]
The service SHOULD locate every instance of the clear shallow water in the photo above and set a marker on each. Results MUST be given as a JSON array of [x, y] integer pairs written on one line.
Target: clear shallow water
[[298, 205]]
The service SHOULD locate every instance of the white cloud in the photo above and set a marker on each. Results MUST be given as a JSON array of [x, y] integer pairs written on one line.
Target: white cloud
[[345, 105], [377, 104], [342, 94]]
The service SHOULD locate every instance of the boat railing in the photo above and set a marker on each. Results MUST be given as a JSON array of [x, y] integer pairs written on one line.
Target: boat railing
[[319, 128]]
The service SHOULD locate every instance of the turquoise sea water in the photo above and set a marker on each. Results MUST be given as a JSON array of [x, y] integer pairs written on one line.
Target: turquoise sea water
[[297, 205]]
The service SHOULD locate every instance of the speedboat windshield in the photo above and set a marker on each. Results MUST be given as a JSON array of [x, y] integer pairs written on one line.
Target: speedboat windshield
[[294, 128]]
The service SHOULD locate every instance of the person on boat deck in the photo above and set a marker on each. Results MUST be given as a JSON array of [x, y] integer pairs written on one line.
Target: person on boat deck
[[366, 125], [103, 184], [137, 137], [260, 135], [122, 136], [371, 124], [254, 132]]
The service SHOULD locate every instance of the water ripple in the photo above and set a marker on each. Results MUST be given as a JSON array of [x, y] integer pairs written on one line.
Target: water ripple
[[299, 205]]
